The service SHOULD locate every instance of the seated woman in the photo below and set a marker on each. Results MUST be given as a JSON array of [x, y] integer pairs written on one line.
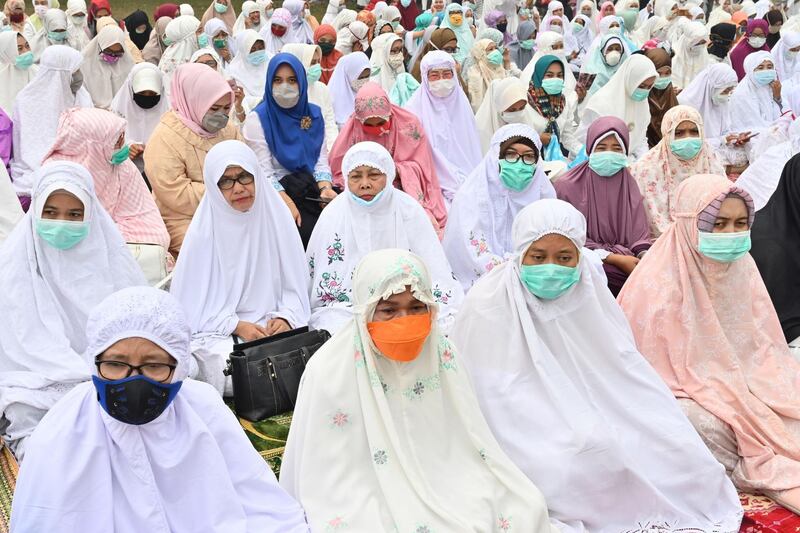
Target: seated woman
[[369, 216], [16, 68], [220, 41], [662, 96], [406, 447], [56, 87], [249, 66], [182, 33], [287, 133], [173, 158], [506, 102], [759, 92], [454, 20], [554, 107], [60, 260], [709, 328], [241, 230], [95, 139], [142, 103], [487, 65], [325, 38], [681, 153], [159, 444], [449, 123], [443, 39], [606, 194], [478, 235], [567, 352], [401, 133], [775, 234], [352, 72], [604, 61], [106, 64], [387, 58]]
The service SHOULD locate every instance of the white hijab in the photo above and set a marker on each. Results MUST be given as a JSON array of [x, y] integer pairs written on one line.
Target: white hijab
[[252, 78], [300, 30], [102, 79], [347, 231], [44, 289], [210, 51], [12, 79], [691, 54], [544, 46], [383, 73], [240, 266], [614, 99], [247, 8], [406, 448], [190, 469], [478, 233], [559, 384], [787, 66], [343, 96], [53, 19], [754, 98], [141, 122], [37, 109], [501, 95], [181, 34], [699, 95], [449, 123], [77, 34], [762, 176]]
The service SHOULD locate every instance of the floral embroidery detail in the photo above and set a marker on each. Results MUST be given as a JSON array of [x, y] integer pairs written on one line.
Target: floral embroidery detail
[[336, 250], [335, 524], [421, 386], [441, 296], [305, 123], [331, 290], [380, 457], [339, 419], [479, 245], [503, 523], [375, 106], [311, 267], [447, 359], [412, 132]]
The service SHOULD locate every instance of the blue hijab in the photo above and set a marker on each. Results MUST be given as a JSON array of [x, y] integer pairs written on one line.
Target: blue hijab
[[296, 149]]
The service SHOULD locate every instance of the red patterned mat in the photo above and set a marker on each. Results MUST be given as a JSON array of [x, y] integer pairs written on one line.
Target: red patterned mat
[[762, 515]]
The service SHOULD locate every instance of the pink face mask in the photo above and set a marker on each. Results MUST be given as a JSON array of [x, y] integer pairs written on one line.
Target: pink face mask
[[108, 58]]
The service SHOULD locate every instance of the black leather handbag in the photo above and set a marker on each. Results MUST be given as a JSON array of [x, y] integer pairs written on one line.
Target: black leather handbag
[[266, 372]]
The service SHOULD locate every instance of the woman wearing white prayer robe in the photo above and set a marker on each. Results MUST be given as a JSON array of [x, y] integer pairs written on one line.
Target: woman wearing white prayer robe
[[241, 270], [37, 108], [405, 446], [61, 259], [173, 459], [691, 54], [370, 215], [755, 97], [478, 233], [16, 68], [106, 65], [506, 102], [551, 388], [10, 208], [181, 33], [387, 60], [249, 66], [53, 31], [77, 31]]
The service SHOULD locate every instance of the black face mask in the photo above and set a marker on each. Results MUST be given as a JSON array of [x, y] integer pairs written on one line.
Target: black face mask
[[135, 400], [146, 102], [327, 48], [501, 27]]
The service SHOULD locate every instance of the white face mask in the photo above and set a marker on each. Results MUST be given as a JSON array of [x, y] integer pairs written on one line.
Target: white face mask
[[757, 42], [286, 95], [557, 29], [396, 60], [513, 117], [559, 52], [78, 21], [790, 54], [612, 58], [442, 88], [697, 49], [358, 84], [718, 98], [40, 10]]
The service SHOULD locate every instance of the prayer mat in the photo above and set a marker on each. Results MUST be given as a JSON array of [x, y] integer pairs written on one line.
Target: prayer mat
[[762, 515], [267, 436], [8, 481]]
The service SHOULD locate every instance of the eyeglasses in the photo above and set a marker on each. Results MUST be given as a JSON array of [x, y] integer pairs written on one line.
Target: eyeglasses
[[227, 183], [512, 157], [114, 370]]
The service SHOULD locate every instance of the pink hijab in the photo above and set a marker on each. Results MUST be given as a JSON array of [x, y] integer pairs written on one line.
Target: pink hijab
[[405, 141], [607, 9], [195, 88], [87, 136], [711, 332], [743, 49]]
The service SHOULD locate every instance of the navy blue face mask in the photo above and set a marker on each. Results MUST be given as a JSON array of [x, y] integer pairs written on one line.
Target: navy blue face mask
[[136, 399]]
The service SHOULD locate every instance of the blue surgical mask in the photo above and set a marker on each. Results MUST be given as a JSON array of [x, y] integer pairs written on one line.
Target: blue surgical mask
[[24, 61], [686, 149], [724, 247], [61, 234], [314, 73], [220, 8], [405, 3], [256, 58], [662, 82], [495, 57], [516, 176], [553, 86], [607, 163], [135, 400], [765, 77], [202, 40], [366, 203], [640, 95], [527, 44], [57, 36], [548, 281]]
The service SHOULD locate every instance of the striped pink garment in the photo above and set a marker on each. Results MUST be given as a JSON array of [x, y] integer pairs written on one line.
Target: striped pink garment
[[88, 136]]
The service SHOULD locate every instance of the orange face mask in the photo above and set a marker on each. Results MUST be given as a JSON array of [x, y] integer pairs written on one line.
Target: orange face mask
[[401, 339]]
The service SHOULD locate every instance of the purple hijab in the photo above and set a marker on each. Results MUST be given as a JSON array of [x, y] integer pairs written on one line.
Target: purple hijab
[[6, 127], [613, 205], [743, 49]]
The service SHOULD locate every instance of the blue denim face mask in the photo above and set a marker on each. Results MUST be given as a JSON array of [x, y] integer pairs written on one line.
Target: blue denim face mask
[[61, 234], [724, 247], [366, 203], [135, 400], [548, 281], [607, 163]]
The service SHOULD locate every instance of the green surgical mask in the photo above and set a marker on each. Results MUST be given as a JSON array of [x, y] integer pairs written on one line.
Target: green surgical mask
[[553, 86], [121, 155], [686, 149], [548, 281], [495, 57], [577, 28], [202, 40], [527, 44], [313, 73], [220, 8], [220, 43], [516, 176], [24, 61], [607, 163], [639, 95], [61, 234], [724, 247], [662, 82], [629, 17]]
